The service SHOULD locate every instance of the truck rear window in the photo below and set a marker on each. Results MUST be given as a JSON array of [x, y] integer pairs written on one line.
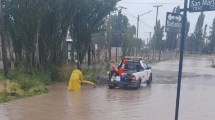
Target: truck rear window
[[132, 65]]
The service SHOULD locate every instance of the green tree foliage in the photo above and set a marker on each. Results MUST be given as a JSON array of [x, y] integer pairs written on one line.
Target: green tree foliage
[[196, 40], [38, 28], [87, 21], [212, 38], [119, 27], [123, 35], [128, 41], [159, 33]]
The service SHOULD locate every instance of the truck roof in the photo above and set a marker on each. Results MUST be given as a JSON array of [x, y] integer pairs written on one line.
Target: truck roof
[[133, 58]]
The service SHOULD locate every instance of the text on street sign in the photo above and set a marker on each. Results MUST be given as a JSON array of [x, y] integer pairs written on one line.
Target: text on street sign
[[201, 5], [173, 22]]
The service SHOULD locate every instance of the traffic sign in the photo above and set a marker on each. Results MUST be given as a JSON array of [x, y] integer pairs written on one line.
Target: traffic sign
[[201, 5], [173, 22]]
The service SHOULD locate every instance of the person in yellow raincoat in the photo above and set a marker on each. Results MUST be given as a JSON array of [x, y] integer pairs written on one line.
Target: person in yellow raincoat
[[76, 79]]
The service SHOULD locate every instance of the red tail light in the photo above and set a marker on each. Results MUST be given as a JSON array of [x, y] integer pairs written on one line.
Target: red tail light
[[133, 78]]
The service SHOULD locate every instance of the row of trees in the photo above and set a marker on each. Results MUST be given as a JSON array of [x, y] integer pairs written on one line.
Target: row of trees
[[120, 33], [123, 34], [36, 29], [196, 42]]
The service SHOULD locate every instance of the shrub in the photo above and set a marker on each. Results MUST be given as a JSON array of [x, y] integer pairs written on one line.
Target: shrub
[[64, 73], [37, 90], [24, 83], [4, 96]]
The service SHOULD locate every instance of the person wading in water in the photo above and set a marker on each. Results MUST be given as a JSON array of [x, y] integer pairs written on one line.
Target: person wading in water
[[76, 79]]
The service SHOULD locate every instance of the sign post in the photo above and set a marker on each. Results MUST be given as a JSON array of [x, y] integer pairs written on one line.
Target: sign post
[[173, 22], [194, 6], [184, 20]]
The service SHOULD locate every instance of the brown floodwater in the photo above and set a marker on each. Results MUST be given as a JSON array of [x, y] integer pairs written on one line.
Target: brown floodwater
[[155, 102]]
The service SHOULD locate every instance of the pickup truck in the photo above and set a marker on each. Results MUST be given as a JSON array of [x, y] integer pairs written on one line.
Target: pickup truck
[[136, 71]]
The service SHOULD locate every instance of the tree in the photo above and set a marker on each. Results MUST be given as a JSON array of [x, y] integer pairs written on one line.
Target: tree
[[195, 41], [123, 35], [128, 44], [119, 27], [2, 37], [198, 32], [87, 21], [158, 34], [38, 29], [212, 38]]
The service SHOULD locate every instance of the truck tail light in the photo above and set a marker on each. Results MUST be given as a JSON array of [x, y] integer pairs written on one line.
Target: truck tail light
[[133, 78]]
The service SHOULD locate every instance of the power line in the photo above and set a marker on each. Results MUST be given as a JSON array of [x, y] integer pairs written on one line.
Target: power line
[[149, 26], [130, 13]]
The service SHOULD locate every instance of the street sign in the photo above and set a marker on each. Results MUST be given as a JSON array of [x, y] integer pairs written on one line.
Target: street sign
[[201, 5], [173, 22]]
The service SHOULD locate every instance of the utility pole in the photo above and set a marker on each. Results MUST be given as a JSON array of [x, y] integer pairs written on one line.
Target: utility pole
[[150, 38], [157, 6], [109, 37], [2, 34], [138, 19]]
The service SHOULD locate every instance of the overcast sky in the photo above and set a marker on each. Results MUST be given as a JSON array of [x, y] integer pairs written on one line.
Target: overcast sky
[[135, 7]]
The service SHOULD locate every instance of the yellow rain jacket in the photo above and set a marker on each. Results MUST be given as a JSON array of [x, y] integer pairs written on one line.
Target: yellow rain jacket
[[76, 79]]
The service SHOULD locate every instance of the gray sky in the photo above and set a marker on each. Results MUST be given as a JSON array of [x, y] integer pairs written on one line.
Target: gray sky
[[135, 7]]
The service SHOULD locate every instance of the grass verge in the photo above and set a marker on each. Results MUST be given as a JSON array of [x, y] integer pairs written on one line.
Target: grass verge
[[22, 83]]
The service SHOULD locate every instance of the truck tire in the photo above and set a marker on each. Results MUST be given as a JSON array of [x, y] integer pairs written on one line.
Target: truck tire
[[138, 85], [111, 87], [149, 81]]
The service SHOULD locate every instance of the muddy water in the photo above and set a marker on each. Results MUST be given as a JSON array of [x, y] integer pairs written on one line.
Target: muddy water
[[197, 65], [148, 103]]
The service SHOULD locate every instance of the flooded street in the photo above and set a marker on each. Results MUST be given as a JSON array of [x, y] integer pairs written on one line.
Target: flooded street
[[155, 102]]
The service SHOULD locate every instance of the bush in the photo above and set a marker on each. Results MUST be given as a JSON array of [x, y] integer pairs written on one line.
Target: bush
[[4, 96], [24, 83], [92, 74], [64, 73], [37, 90]]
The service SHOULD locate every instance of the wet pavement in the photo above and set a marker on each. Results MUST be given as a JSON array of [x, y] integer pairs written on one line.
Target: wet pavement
[[155, 102]]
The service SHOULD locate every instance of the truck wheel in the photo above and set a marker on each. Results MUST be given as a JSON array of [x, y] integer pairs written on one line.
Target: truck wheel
[[112, 87], [149, 81], [138, 85]]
